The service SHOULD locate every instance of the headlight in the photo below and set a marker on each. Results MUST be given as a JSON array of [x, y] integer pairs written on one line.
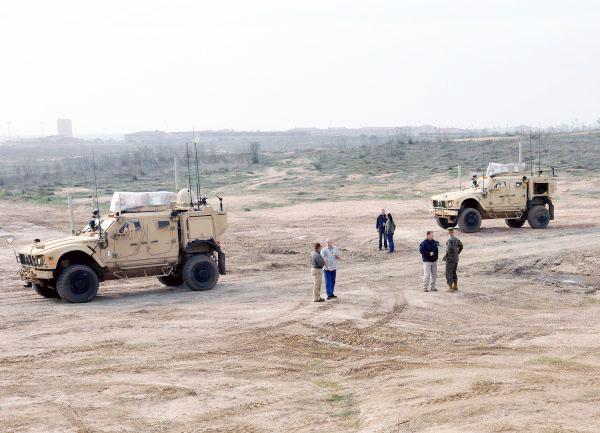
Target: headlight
[[38, 260], [451, 203]]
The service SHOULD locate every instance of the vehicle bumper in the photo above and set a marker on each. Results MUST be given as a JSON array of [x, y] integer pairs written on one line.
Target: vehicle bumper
[[444, 213], [34, 275]]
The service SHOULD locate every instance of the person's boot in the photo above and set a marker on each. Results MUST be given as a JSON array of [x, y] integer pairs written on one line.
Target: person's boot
[[455, 286], [450, 288]]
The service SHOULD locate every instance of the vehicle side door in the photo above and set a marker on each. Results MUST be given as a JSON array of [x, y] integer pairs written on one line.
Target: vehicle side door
[[163, 245], [127, 241], [498, 195], [517, 197]]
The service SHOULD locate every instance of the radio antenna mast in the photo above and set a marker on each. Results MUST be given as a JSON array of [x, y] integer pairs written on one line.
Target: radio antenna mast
[[539, 150], [197, 176], [187, 152], [482, 169], [96, 186], [530, 154]]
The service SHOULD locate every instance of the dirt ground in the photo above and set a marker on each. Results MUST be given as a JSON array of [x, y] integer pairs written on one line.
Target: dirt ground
[[516, 349]]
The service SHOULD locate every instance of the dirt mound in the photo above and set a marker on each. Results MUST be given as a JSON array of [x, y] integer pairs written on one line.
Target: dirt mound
[[586, 264]]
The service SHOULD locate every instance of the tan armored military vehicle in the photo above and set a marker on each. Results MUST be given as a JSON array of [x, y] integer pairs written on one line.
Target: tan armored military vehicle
[[507, 191], [144, 234]]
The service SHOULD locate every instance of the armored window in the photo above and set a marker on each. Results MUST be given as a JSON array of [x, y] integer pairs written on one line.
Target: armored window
[[540, 188], [135, 225], [163, 224]]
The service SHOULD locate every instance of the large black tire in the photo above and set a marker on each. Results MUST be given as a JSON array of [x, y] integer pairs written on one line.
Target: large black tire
[[515, 223], [45, 291], [171, 280], [469, 220], [200, 272], [443, 223], [538, 217], [77, 283]]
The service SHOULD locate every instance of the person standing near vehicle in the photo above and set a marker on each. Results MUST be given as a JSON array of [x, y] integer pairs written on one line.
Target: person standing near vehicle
[[390, 228], [453, 249], [380, 226], [330, 254], [429, 254], [316, 268]]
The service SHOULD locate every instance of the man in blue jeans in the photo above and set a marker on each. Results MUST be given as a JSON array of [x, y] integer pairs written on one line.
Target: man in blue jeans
[[330, 254]]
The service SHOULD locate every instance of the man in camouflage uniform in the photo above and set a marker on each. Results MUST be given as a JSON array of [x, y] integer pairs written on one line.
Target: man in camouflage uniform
[[453, 249]]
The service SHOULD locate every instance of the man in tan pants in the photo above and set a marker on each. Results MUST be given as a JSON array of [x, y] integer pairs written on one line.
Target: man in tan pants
[[316, 269]]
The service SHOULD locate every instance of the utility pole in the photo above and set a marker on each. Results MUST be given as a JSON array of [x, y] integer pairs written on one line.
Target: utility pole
[[8, 128], [520, 153], [42, 124], [71, 219]]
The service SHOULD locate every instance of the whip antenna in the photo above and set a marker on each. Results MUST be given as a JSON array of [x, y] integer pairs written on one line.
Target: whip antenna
[[530, 155], [197, 176], [96, 186], [539, 150], [187, 152]]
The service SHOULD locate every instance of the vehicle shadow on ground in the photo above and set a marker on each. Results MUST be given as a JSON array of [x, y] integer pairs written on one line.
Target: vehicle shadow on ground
[[507, 230], [114, 294]]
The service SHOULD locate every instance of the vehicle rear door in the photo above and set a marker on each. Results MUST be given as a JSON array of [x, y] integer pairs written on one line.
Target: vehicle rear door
[[162, 239]]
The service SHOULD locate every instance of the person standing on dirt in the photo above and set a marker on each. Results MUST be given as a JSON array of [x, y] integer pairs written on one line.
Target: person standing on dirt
[[316, 268], [453, 249], [390, 228], [429, 253], [330, 254], [380, 226]]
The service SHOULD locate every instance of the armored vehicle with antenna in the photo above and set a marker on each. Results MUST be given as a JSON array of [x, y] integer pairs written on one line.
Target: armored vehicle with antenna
[[144, 234], [506, 191]]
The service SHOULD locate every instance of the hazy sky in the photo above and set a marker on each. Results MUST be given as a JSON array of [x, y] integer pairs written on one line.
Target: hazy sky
[[274, 64]]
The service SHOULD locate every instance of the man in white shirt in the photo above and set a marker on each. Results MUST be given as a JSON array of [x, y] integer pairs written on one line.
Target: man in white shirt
[[330, 254]]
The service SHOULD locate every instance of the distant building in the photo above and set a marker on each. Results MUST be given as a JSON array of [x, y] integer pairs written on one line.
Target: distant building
[[64, 127]]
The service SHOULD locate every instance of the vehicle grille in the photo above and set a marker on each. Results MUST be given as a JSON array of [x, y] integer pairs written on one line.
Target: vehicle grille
[[439, 203], [26, 259]]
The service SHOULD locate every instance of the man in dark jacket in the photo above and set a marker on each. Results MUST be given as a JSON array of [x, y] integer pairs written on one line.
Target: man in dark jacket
[[380, 226], [429, 253]]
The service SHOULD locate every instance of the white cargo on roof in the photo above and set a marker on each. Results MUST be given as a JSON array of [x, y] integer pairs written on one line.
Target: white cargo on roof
[[495, 168], [139, 201]]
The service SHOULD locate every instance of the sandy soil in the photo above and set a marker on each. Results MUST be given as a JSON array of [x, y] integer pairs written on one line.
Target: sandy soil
[[516, 349]]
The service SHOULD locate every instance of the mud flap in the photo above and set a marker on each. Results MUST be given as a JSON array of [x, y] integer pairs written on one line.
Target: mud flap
[[551, 210], [221, 262]]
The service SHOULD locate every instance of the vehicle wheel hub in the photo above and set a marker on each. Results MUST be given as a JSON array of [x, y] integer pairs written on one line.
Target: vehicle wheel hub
[[80, 283]]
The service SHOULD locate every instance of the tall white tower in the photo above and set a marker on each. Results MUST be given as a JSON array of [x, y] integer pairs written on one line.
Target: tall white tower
[[64, 127]]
